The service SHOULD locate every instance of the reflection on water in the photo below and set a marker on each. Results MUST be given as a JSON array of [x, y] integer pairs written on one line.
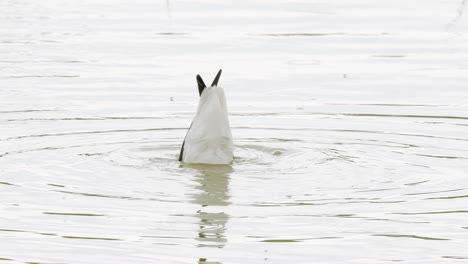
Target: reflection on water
[[213, 186], [168, 9], [460, 12], [205, 261]]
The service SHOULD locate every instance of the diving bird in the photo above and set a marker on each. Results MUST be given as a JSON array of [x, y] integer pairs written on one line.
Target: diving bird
[[209, 138]]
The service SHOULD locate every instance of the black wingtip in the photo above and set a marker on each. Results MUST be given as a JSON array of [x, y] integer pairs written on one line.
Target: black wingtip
[[201, 84], [216, 79]]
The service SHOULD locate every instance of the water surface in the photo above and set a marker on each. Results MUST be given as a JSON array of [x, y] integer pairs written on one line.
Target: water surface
[[350, 125]]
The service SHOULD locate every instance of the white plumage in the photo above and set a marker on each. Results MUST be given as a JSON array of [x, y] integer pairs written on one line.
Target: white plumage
[[209, 138]]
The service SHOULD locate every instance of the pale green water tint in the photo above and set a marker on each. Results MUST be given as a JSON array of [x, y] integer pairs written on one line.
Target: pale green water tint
[[350, 125]]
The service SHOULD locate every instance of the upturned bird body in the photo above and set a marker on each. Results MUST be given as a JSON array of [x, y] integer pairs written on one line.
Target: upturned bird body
[[209, 138]]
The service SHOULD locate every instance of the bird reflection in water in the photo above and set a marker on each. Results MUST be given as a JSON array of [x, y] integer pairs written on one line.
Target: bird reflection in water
[[212, 195]]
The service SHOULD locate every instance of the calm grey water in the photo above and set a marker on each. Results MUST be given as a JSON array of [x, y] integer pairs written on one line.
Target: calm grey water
[[349, 118]]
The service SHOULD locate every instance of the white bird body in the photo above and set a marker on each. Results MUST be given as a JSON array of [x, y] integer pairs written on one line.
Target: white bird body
[[209, 138]]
